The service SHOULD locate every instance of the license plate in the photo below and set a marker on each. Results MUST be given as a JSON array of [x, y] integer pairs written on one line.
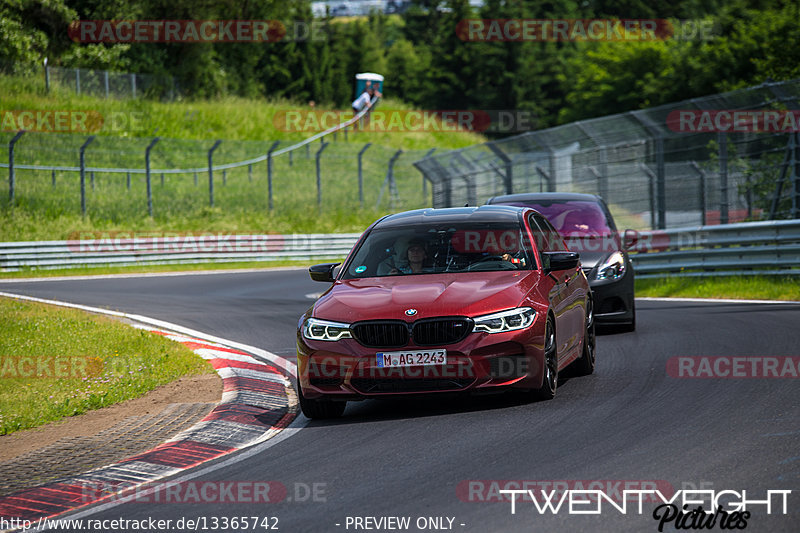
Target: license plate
[[411, 358]]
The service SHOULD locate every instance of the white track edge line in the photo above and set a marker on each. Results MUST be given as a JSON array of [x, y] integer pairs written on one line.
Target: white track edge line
[[715, 300], [151, 274], [277, 360]]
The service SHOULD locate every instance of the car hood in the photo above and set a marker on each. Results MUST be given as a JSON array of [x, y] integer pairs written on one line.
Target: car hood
[[463, 294]]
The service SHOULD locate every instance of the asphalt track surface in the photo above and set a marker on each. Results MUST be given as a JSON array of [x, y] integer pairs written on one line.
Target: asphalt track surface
[[628, 421]]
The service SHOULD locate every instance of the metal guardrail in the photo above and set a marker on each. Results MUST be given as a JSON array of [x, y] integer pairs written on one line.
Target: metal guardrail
[[764, 248], [127, 250], [771, 247]]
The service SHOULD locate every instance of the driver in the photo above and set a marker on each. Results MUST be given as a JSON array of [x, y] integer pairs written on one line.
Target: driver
[[413, 261]]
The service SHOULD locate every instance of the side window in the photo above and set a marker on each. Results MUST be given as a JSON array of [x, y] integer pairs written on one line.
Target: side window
[[554, 241], [539, 237]]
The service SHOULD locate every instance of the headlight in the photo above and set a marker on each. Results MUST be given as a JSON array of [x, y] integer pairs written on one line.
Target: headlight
[[323, 330], [511, 320], [612, 268]]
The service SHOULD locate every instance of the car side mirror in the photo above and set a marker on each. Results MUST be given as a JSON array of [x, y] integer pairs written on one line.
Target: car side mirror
[[553, 261], [629, 239], [323, 272]]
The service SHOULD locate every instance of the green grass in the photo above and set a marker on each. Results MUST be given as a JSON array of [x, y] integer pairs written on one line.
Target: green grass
[[83, 362], [188, 129], [735, 287]]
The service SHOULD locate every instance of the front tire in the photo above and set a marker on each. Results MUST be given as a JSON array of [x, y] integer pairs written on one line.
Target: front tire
[[319, 409], [550, 379]]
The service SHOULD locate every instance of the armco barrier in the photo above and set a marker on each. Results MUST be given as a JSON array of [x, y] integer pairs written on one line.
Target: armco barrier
[[125, 250], [771, 247]]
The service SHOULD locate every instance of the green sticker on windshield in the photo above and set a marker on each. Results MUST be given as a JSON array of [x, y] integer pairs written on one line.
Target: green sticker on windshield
[[360, 269]]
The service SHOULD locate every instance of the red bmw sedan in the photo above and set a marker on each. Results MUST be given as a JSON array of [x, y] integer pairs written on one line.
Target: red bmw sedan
[[473, 299]]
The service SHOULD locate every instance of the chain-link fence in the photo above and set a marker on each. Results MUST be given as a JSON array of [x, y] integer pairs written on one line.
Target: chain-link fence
[[120, 178], [692, 162], [109, 84]]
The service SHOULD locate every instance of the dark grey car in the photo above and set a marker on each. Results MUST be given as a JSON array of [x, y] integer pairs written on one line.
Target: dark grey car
[[586, 225]]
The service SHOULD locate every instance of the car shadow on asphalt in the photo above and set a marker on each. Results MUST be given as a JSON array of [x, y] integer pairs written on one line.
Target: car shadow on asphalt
[[380, 410]]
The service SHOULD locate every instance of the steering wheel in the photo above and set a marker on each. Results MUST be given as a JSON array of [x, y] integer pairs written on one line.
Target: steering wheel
[[476, 265], [489, 258]]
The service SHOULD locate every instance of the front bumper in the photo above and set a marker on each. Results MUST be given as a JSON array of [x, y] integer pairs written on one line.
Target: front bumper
[[613, 299], [481, 362]]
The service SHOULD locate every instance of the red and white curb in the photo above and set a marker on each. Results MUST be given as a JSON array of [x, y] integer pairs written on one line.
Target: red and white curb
[[258, 403]]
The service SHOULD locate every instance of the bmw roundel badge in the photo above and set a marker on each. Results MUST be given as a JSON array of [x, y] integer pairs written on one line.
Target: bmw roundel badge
[[411, 312]]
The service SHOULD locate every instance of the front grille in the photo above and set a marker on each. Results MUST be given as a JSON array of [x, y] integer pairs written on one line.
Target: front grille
[[387, 334], [426, 332], [441, 331]]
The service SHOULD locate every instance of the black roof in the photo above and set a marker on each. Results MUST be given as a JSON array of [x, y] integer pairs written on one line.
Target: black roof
[[477, 215], [551, 196]]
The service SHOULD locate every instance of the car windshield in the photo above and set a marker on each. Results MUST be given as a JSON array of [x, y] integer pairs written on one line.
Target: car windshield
[[573, 218], [434, 249]]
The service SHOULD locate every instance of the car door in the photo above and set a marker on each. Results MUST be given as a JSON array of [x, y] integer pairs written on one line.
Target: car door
[[567, 296]]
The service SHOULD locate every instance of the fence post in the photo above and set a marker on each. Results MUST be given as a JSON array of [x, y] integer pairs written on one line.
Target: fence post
[[133, 85], [11, 144], [547, 178], [195, 179], [78, 80], [53, 178], [602, 183], [390, 181], [250, 172], [105, 80], [290, 157], [269, 172], [661, 182], [424, 181], [702, 191], [128, 180], [361, 175], [46, 76], [319, 179], [147, 174], [651, 178], [723, 177], [795, 175], [211, 173], [508, 179], [91, 178], [225, 176], [83, 174]]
